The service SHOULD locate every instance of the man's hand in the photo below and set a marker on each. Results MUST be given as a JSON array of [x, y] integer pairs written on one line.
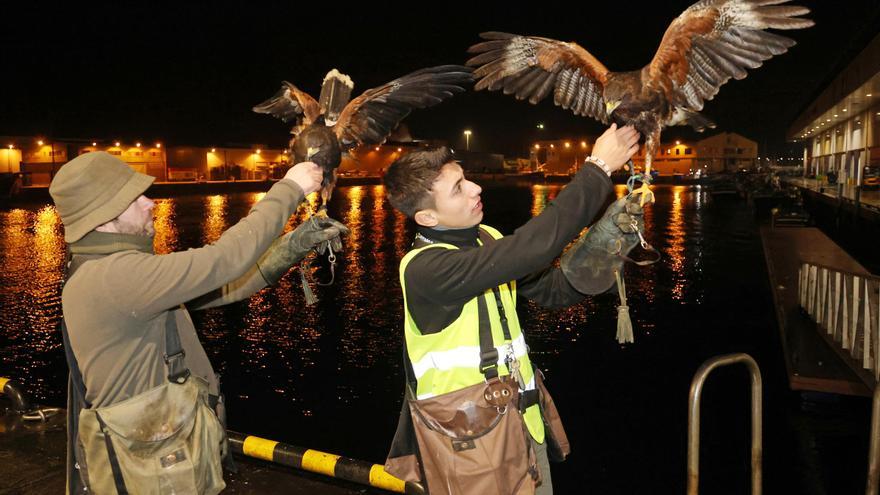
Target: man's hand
[[616, 145], [307, 175]]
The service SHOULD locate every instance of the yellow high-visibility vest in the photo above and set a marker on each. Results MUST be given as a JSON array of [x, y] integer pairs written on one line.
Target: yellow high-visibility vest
[[449, 360]]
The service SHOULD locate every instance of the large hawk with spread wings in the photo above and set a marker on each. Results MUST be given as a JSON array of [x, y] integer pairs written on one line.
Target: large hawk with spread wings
[[702, 49], [321, 135]]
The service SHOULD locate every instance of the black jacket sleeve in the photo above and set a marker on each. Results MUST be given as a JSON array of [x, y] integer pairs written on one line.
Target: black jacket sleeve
[[549, 288], [449, 277]]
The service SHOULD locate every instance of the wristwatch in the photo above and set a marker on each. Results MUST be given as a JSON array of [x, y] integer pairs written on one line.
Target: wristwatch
[[600, 162]]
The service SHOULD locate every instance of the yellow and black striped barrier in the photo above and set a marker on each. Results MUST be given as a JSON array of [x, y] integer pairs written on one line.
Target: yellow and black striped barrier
[[315, 461], [10, 388]]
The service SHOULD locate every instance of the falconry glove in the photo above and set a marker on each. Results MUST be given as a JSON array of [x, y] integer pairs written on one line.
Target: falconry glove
[[317, 233], [590, 264], [596, 260]]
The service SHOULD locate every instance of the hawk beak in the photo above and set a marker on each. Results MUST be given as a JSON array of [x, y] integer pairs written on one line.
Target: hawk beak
[[610, 106]]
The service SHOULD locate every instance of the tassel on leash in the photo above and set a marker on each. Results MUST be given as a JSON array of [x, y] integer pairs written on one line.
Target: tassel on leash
[[624, 323], [307, 289]]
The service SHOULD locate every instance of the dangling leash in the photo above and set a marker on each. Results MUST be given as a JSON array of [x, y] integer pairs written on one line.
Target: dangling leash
[[305, 268], [624, 322]]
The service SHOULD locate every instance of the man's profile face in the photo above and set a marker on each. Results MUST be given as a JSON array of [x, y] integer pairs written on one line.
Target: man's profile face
[[456, 200], [137, 219]]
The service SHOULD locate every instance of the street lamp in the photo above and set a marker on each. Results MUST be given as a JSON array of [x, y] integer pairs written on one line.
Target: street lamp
[[467, 139]]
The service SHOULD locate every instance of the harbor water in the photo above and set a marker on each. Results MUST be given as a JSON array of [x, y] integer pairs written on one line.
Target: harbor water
[[329, 376]]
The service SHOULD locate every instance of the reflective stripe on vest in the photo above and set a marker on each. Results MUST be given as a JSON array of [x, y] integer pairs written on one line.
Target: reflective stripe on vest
[[449, 360]]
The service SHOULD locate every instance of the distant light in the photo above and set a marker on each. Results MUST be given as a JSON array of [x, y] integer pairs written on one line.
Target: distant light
[[467, 132], [540, 126], [377, 148], [399, 150], [869, 94], [11, 146], [844, 109], [137, 144], [94, 143], [583, 144], [835, 115], [213, 150], [567, 144], [284, 152], [40, 142], [827, 120], [158, 145], [677, 143], [258, 151], [116, 144], [552, 146]]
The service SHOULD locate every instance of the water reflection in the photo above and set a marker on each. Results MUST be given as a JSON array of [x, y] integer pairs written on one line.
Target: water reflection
[[215, 218], [33, 253], [164, 221], [675, 235]]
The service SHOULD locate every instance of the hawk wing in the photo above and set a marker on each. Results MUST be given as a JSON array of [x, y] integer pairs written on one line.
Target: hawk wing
[[714, 40], [372, 116], [290, 103], [530, 67]]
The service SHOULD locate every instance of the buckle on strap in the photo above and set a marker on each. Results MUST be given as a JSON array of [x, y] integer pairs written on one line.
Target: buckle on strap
[[488, 359], [169, 357]]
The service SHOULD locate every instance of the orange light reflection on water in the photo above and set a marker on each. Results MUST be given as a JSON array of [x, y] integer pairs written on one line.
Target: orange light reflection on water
[[676, 237], [215, 218], [164, 221]]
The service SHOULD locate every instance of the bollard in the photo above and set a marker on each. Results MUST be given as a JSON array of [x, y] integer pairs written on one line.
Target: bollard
[[11, 389]]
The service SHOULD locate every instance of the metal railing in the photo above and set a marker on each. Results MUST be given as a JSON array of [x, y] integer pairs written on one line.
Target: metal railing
[[694, 418], [846, 307]]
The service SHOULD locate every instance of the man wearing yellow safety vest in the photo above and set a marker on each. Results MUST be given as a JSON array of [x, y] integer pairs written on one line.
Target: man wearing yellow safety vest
[[461, 327]]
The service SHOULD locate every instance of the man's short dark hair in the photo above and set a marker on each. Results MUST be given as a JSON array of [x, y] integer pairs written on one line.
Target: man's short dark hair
[[408, 181]]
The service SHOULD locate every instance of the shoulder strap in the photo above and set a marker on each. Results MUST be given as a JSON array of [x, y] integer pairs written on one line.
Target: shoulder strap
[[175, 357], [488, 352]]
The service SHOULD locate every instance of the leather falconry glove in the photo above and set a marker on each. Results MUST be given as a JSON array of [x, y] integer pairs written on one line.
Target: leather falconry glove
[[590, 265], [317, 232]]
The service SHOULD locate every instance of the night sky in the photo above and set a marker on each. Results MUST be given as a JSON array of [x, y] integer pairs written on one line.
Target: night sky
[[189, 72]]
